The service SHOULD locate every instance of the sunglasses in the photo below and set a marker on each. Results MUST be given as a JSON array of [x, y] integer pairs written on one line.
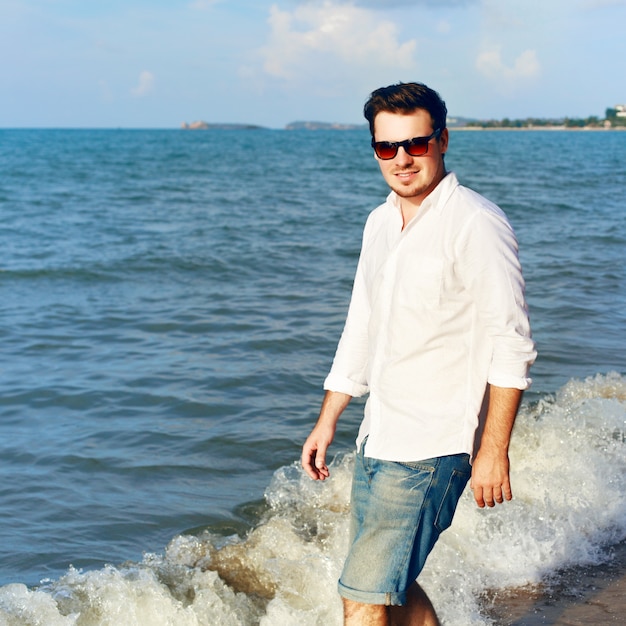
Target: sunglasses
[[418, 146]]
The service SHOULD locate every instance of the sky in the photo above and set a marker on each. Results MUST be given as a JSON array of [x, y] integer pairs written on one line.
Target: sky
[[159, 63]]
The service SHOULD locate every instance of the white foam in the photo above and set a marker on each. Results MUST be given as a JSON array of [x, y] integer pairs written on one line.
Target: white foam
[[568, 466]]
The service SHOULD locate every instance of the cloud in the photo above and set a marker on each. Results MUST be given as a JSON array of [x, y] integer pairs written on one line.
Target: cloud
[[490, 64], [145, 84], [602, 4], [316, 38], [203, 5], [392, 4]]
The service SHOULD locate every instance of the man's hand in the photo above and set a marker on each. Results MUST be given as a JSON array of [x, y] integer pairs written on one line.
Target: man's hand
[[314, 453], [315, 447], [490, 470], [490, 479]]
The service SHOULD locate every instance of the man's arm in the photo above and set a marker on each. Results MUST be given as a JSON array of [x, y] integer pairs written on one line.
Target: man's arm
[[490, 470], [314, 449]]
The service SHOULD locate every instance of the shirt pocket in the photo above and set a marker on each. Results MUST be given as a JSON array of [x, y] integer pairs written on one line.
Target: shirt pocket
[[420, 282]]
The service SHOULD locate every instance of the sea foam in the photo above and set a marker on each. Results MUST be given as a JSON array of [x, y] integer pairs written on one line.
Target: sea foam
[[569, 507]]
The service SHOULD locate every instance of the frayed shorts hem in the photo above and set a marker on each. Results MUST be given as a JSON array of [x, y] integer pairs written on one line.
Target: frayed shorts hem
[[393, 598]]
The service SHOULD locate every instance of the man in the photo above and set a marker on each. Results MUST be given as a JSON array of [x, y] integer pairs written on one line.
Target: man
[[437, 333]]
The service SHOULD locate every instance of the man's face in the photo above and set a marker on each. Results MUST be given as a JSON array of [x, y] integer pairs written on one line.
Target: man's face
[[412, 178]]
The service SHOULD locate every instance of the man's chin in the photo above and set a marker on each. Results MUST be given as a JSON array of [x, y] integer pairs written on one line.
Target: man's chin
[[409, 192]]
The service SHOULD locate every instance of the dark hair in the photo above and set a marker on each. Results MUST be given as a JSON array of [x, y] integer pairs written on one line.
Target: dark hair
[[405, 98]]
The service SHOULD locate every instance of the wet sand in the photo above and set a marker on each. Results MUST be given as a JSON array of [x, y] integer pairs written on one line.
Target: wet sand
[[575, 597]]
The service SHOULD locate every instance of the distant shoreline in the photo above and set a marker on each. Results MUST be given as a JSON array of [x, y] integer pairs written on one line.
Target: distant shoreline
[[252, 128], [317, 126], [535, 128]]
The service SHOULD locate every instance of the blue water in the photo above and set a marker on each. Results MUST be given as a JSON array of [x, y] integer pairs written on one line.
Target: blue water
[[171, 302]]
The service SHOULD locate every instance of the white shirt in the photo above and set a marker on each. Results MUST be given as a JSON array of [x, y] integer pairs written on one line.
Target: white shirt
[[437, 312]]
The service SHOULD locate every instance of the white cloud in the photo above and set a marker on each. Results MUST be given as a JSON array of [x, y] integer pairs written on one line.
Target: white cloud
[[145, 84], [490, 64], [203, 5], [307, 39], [394, 4], [602, 4]]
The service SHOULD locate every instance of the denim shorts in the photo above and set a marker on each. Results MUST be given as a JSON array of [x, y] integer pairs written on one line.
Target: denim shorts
[[398, 512]]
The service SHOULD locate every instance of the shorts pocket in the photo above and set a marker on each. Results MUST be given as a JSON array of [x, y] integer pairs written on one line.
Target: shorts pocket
[[455, 487]]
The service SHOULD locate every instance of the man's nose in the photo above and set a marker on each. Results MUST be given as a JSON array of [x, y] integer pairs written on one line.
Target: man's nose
[[403, 156]]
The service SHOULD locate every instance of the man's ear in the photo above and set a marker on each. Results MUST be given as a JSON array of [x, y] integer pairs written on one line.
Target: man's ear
[[443, 140]]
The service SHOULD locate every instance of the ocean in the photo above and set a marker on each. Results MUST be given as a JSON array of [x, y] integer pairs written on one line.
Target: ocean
[[171, 302]]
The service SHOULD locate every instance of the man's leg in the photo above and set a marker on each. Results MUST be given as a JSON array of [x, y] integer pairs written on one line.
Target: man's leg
[[418, 611], [357, 614]]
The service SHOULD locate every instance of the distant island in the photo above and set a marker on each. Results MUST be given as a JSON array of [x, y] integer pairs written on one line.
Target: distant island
[[207, 126], [614, 117], [200, 125], [324, 126]]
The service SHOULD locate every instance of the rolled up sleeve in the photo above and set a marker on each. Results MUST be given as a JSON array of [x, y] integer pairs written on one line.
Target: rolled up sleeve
[[494, 275], [348, 373]]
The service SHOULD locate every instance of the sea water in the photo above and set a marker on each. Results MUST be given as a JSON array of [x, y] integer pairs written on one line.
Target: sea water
[[171, 302]]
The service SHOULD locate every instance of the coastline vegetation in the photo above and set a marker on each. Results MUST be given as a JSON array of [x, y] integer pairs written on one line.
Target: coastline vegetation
[[612, 119]]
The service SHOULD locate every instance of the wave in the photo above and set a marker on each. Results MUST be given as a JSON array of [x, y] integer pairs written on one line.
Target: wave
[[569, 507]]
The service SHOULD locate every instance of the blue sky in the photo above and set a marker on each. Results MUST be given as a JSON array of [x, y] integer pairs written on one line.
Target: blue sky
[[157, 63]]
